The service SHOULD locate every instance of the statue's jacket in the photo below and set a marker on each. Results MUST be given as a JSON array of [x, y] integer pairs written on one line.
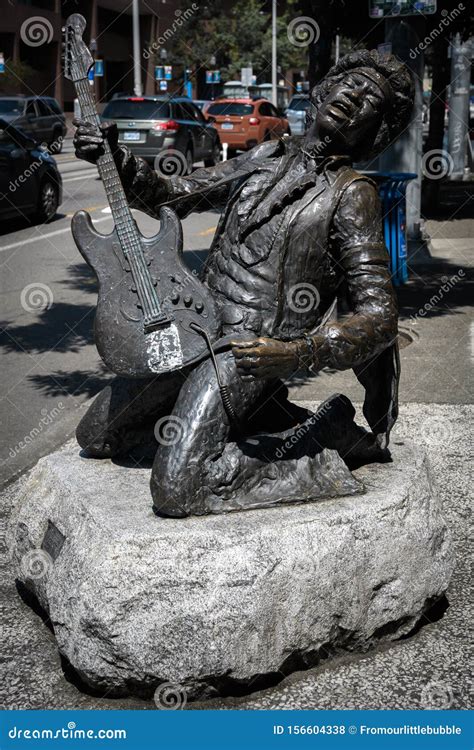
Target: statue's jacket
[[296, 233]]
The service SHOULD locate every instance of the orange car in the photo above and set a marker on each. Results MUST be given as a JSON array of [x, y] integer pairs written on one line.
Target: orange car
[[243, 123]]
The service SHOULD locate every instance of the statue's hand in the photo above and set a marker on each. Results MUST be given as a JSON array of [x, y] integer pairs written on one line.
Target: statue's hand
[[89, 139], [265, 358]]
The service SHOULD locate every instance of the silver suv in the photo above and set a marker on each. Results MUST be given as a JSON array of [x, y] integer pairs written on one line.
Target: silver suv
[[296, 113], [40, 117], [170, 133]]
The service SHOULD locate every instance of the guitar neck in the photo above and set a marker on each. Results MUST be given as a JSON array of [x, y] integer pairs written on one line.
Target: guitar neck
[[108, 171]]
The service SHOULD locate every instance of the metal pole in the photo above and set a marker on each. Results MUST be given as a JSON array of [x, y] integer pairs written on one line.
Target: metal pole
[[137, 69], [337, 53], [458, 128], [274, 52]]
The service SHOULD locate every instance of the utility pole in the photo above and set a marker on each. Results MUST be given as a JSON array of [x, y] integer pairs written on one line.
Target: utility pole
[[458, 130], [274, 53], [137, 68]]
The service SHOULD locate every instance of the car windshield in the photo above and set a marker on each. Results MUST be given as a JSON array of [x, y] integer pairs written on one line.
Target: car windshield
[[299, 105], [11, 107], [230, 108], [136, 109]]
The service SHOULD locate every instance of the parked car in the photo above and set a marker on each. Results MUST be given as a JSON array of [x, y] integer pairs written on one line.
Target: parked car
[[243, 123], [30, 183], [40, 117], [154, 125], [296, 113]]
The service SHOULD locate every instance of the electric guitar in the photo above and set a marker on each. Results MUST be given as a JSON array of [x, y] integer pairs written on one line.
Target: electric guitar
[[153, 314]]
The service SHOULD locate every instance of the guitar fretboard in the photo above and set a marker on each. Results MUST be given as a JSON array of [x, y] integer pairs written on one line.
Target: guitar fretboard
[[127, 231]]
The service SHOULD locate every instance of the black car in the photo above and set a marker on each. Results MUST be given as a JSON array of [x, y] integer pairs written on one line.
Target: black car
[[40, 117], [169, 132], [30, 183]]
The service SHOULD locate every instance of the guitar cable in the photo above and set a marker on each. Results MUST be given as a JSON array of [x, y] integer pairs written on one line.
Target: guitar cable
[[223, 389]]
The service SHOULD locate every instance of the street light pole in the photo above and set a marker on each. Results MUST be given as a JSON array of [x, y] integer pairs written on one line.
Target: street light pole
[[137, 68], [274, 52]]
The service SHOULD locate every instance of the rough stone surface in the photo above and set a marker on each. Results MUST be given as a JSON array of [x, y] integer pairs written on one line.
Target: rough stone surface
[[214, 603]]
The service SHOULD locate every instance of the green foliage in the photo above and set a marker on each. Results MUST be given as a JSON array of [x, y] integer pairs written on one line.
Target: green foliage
[[237, 37]]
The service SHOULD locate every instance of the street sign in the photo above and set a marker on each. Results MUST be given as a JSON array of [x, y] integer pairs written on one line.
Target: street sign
[[99, 68], [168, 72], [163, 85], [2, 64], [213, 76], [392, 9], [159, 72]]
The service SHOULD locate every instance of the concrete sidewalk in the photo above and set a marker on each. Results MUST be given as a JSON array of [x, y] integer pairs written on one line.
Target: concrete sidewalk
[[428, 670]]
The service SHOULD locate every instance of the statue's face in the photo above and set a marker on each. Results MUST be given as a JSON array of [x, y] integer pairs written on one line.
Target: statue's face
[[352, 112]]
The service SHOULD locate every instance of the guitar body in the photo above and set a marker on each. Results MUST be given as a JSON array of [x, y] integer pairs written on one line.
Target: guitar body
[[120, 338]]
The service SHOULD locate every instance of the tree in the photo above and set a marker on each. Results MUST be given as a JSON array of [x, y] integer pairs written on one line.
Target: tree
[[230, 38]]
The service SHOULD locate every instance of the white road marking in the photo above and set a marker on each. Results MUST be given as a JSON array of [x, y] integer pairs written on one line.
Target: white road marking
[[38, 237]]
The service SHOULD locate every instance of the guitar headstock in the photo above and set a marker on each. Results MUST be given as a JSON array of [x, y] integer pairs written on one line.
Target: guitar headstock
[[77, 58]]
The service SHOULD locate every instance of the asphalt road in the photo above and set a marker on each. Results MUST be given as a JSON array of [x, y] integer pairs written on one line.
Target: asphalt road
[[50, 365]]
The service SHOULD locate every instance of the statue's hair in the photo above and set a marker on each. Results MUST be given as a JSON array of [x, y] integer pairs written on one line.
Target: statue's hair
[[398, 111]]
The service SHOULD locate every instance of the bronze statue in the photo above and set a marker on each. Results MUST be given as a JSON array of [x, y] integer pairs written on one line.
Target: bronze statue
[[299, 230]]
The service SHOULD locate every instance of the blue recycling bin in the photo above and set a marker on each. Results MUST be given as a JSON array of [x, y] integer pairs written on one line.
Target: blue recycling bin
[[392, 190]]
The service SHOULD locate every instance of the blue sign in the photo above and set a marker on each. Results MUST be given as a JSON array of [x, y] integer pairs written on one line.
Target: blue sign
[[213, 76], [163, 85], [159, 72], [90, 74], [2, 64], [99, 68], [168, 72]]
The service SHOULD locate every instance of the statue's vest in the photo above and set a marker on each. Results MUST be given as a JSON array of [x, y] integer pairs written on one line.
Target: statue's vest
[[272, 269]]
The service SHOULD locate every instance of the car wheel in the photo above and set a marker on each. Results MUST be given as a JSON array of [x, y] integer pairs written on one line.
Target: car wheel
[[48, 201], [56, 145], [214, 158]]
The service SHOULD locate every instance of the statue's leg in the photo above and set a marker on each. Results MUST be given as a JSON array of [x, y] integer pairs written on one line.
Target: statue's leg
[[202, 465], [189, 465], [124, 411]]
